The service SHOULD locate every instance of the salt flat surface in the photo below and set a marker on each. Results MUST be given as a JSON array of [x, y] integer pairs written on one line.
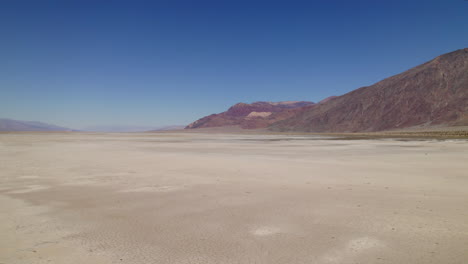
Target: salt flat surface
[[220, 198]]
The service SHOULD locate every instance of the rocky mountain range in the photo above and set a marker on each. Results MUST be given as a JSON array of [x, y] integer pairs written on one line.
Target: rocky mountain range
[[434, 93], [254, 115]]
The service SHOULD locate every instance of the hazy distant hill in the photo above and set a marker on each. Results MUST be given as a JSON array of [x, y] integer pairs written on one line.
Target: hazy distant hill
[[118, 128], [434, 93], [126, 129], [169, 128], [254, 115], [16, 125]]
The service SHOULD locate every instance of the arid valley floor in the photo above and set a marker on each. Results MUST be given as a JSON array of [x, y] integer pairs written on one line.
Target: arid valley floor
[[227, 198]]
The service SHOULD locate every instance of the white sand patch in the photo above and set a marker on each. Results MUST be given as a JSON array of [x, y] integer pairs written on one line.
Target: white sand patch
[[28, 177], [362, 243], [353, 248], [82, 182], [30, 188], [266, 231], [257, 114], [154, 189]]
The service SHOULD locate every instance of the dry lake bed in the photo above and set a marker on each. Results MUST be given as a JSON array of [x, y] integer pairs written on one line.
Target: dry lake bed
[[220, 198]]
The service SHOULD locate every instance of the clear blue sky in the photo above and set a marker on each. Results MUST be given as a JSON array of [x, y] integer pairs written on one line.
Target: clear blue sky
[[90, 62]]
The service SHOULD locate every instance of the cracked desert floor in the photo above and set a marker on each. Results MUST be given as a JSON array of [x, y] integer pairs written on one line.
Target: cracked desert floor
[[226, 198]]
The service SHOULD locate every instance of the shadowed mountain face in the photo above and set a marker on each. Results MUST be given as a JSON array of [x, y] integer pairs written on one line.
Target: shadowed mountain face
[[434, 93], [15, 125], [254, 115]]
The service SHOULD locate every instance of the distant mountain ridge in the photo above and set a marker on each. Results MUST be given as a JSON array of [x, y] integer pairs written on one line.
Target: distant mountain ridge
[[130, 129], [254, 115], [17, 125], [168, 128], [118, 128]]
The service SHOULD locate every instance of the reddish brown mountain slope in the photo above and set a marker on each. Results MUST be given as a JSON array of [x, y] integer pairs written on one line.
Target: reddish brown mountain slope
[[255, 115], [434, 93]]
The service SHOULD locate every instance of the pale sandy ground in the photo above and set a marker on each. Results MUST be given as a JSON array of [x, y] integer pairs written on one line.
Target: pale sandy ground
[[213, 198]]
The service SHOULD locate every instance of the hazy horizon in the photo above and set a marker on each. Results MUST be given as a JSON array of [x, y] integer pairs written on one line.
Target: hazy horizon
[[79, 64]]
